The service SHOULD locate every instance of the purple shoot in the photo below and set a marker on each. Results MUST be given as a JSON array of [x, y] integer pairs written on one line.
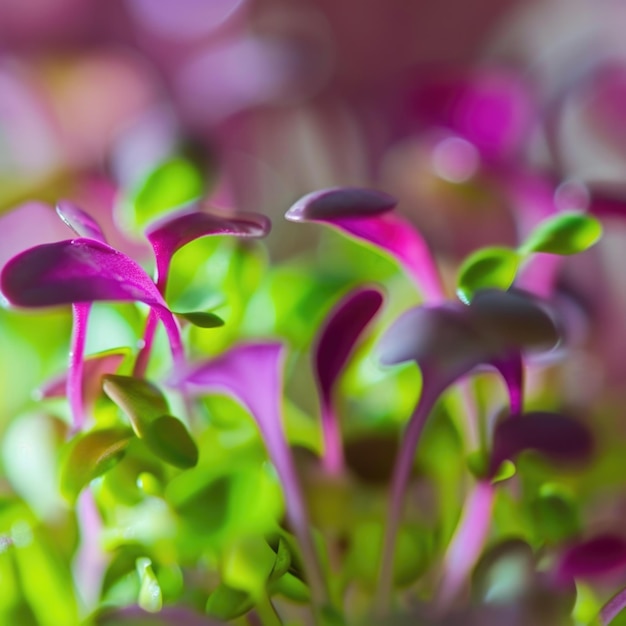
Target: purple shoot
[[82, 271], [336, 341], [364, 215], [252, 374], [170, 234], [447, 342]]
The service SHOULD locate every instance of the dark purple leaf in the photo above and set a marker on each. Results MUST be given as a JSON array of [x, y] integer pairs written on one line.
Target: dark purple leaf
[[363, 214], [436, 337], [334, 345], [558, 437], [341, 331], [604, 554], [514, 319], [328, 205], [72, 271], [79, 221], [252, 374], [172, 233]]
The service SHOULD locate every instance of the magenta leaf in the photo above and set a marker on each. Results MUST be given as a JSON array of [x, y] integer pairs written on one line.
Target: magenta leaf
[[334, 345], [252, 374], [364, 215], [447, 341], [79, 221], [342, 329], [81, 271], [601, 555], [73, 271], [328, 205], [558, 437], [169, 235]]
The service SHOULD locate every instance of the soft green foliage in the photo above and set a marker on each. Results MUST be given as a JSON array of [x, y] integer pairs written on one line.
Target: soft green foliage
[[565, 233], [488, 267]]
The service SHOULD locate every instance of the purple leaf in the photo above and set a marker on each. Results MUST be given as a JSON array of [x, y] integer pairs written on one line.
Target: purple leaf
[[72, 271], [81, 271], [79, 221], [172, 233], [604, 554], [342, 329], [252, 374], [363, 214], [558, 437], [515, 319], [335, 343], [328, 205]]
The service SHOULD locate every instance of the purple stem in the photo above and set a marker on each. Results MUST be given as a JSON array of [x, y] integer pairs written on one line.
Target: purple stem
[[74, 385], [613, 608], [401, 475], [89, 562], [332, 459], [469, 538], [282, 459], [141, 363]]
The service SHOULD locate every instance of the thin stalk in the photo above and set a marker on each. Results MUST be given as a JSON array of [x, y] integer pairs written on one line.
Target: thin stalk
[[267, 613], [141, 362], [332, 459], [613, 608], [401, 475], [89, 563], [74, 385], [298, 516], [468, 541]]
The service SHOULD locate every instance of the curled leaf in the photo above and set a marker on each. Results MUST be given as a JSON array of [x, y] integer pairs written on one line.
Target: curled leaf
[[342, 329], [340, 202], [172, 233], [364, 215]]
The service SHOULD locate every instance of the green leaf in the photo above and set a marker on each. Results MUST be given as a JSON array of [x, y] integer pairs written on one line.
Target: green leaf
[[247, 565], [173, 183], [150, 597], [566, 233], [226, 603], [142, 401], [168, 438], [91, 455], [202, 319], [494, 267], [283, 560]]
